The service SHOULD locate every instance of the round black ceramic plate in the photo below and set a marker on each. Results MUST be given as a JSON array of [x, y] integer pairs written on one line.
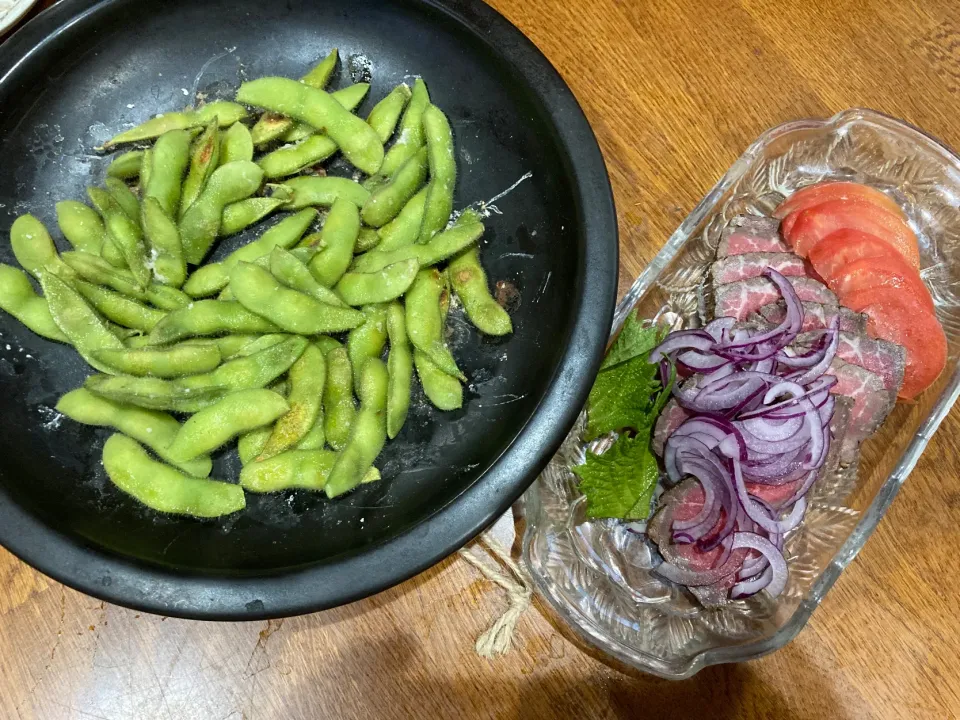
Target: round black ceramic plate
[[82, 71]]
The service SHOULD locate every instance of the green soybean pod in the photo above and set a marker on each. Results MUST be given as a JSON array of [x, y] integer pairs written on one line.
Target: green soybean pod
[[444, 391], [290, 271], [154, 393], [236, 144], [470, 284], [315, 438], [251, 443], [169, 362], [98, 271], [166, 297], [308, 191], [169, 159], [77, 320], [368, 340], [367, 435], [224, 111], [153, 428], [388, 200], [425, 320], [163, 488], [119, 308], [105, 206], [261, 293], [307, 378], [126, 166], [294, 469], [380, 286], [444, 245], [242, 214], [18, 298], [339, 407], [399, 369], [124, 197], [350, 97], [367, 240], [404, 229], [357, 140], [32, 245], [208, 317], [200, 224], [232, 415], [443, 173], [338, 236], [146, 163], [410, 136], [326, 344], [81, 226], [204, 158], [255, 370], [127, 237], [163, 241], [386, 113]]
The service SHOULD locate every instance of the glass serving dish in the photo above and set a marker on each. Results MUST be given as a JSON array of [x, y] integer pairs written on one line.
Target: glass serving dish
[[597, 574]]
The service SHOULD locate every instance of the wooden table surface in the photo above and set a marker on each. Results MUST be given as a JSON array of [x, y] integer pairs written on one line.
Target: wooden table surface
[[675, 90]]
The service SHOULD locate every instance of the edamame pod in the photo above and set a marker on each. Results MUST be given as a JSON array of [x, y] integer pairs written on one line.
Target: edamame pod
[[146, 163], [18, 298], [32, 245], [251, 443], [154, 393], [368, 340], [166, 297], [399, 369], [208, 317], [386, 202], [169, 159], [81, 226], [213, 277], [386, 113], [258, 291], [204, 158], [339, 407], [307, 377], [338, 236], [201, 222], [163, 488], [368, 434], [443, 173], [291, 159], [357, 140], [470, 283], [309, 190], [234, 414], [119, 308], [124, 197], [96, 270], [326, 344], [294, 469], [126, 166], [105, 205], [367, 240], [244, 213], [410, 137], [176, 361], [163, 239], [442, 390], [153, 428], [425, 320], [380, 286], [349, 97], [236, 144], [445, 245], [256, 370], [290, 271], [404, 229], [225, 112], [126, 236]]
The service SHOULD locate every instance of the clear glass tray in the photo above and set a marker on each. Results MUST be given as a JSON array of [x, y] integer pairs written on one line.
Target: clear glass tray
[[596, 574]]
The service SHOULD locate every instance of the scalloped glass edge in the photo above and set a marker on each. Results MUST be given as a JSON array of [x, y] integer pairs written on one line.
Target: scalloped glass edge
[[596, 635]]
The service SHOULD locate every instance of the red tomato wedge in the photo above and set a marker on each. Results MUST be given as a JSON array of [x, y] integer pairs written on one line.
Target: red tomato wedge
[[900, 318], [826, 191], [875, 272], [844, 247], [816, 223]]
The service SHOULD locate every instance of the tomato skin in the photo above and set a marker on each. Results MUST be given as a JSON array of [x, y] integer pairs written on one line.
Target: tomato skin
[[825, 191], [844, 247], [875, 272], [898, 317], [816, 223]]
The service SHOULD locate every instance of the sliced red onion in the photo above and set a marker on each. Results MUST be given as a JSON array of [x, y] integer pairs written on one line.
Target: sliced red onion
[[718, 328], [787, 331], [757, 512], [821, 367], [696, 360], [778, 565], [682, 340], [746, 588]]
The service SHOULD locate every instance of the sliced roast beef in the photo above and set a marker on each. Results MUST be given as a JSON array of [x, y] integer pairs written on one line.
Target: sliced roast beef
[[872, 403], [671, 417], [817, 316], [880, 357], [749, 234], [749, 265], [742, 299]]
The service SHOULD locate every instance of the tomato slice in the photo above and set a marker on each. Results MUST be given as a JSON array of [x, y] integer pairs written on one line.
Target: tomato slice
[[873, 272], [844, 247], [816, 223], [826, 191], [900, 318]]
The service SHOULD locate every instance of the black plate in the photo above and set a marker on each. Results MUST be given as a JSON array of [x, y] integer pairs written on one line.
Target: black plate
[[81, 71]]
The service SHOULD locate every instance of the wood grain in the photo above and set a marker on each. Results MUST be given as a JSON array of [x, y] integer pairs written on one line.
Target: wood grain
[[675, 90]]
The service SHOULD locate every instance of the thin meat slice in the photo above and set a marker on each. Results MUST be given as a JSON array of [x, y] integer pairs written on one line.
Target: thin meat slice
[[671, 417], [881, 357], [751, 233], [752, 264], [872, 402], [817, 316], [741, 299]]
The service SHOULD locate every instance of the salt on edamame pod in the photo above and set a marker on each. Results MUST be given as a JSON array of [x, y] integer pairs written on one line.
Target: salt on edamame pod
[[367, 240], [124, 197], [204, 159], [444, 391], [425, 320], [169, 159], [294, 469], [251, 443], [236, 144], [126, 166], [368, 434], [234, 414], [163, 239], [153, 428], [289, 270], [18, 298], [213, 277], [442, 246], [469, 282], [127, 237], [154, 393], [385, 202], [309, 190], [410, 136], [81, 226], [119, 308], [224, 111], [338, 236], [171, 362], [307, 377], [208, 317], [443, 173], [256, 370], [164, 488], [368, 340], [32, 245], [261, 293], [404, 229], [357, 140], [339, 407], [105, 205], [166, 297], [98, 271], [242, 214], [380, 286], [386, 113], [399, 369]]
